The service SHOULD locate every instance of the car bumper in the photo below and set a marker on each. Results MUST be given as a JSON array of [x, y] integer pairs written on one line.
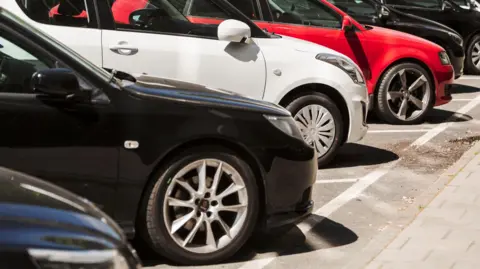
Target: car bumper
[[289, 186], [358, 111], [444, 81]]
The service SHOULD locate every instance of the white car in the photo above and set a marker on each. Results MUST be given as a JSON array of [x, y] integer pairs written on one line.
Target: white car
[[324, 90]]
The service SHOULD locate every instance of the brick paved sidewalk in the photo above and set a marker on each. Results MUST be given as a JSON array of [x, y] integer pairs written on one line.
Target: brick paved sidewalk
[[446, 234]]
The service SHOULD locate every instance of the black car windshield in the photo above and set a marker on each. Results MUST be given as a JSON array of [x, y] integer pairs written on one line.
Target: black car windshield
[[53, 42], [307, 12]]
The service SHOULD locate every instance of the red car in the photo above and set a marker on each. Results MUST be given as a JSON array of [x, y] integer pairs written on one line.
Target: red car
[[406, 75]]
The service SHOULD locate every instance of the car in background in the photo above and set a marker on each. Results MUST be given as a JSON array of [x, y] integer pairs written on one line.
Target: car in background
[[323, 89], [191, 170], [373, 12], [454, 14], [44, 226], [406, 75]]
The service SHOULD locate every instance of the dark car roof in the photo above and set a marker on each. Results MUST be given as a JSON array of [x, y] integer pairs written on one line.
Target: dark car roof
[[28, 202]]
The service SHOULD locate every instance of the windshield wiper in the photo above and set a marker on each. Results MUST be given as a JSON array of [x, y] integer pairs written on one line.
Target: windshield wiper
[[120, 75]]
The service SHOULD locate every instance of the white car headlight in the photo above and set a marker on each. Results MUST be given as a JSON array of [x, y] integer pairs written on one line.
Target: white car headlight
[[444, 59], [343, 63], [286, 125], [50, 259]]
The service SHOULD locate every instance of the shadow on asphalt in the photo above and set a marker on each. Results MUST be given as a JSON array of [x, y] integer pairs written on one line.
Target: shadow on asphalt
[[351, 155], [460, 88], [325, 234], [436, 116]]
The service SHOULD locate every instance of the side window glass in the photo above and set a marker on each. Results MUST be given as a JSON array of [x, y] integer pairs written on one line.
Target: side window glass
[[168, 16], [355, 7], [416, 3], [56, 12], [17, 67], [247, 7], [306, 12]]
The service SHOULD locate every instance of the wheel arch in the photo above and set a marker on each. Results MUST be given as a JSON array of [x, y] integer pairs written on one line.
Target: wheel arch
[[242, 151], [331, 92]]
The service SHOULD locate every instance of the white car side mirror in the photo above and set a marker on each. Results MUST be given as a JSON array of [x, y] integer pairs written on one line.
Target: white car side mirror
[[233, 31]]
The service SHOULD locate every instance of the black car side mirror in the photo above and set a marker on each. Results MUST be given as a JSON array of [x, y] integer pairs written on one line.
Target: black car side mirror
[[56, 82], [384, 13], [347, 24], [446, 6]]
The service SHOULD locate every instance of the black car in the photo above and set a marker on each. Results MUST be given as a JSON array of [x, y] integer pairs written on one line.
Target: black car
[[189, 169], [461, 15], [44, 226], [373, 12]]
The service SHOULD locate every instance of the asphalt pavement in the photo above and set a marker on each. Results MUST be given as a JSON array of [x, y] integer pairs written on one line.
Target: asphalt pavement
[[370, 192]]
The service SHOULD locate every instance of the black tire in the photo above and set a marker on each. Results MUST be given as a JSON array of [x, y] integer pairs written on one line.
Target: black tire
[[471, 69], [324, 101], [382, 110], [151, 224]]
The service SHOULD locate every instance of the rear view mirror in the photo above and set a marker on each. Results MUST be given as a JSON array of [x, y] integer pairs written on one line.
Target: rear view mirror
[[447, 5], [233, 31], [56, 82], [347, 24], [384, 13]]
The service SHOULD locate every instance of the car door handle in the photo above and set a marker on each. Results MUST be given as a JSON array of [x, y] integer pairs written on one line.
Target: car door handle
[[124, 49]]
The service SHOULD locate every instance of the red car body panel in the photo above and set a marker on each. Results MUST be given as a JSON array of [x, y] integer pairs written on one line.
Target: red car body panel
[[374, 49]]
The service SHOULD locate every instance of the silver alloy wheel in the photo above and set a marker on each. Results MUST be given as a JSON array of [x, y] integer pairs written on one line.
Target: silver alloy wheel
[[476, 55], [205, 206], [317, 127], [409, 96]]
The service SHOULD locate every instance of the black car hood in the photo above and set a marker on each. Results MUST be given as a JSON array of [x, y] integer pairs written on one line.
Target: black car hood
[[428, 22], [39, 205], [181, 91]]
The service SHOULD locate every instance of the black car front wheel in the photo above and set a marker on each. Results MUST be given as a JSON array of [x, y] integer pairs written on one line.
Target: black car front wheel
[[405, 94], [201, 208], [472, 61]]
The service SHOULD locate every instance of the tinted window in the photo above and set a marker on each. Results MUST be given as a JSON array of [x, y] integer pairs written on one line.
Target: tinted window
[[247, 7], [416, 3], [56, 12], [355, 7], [306, 12], [167, 16]]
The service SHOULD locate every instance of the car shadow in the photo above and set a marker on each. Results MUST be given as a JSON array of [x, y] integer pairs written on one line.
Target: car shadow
[[461, 88], [324, 234], [351, 155], [436, 116]]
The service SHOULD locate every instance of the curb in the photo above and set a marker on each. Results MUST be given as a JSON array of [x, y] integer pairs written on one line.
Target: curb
[[378, 243]]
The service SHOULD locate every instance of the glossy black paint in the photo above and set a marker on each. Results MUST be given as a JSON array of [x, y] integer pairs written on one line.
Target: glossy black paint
[[80, 145], [465, 21], [415, 25], [37, 214]]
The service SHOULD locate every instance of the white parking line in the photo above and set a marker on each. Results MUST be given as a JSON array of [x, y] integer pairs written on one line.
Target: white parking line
[[461, 99], [443, 126], [338, 180], [361, 185], [465, 77], [398, 131]]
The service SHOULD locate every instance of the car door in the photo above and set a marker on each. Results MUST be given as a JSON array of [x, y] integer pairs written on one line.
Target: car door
[[173, 47], [71, 144], [67, 21], [429, 9]]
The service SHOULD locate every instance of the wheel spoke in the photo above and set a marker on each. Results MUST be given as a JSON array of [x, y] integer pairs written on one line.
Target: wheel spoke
[[202, 178], [325, 140], [477, 46], [232, 208], [478, 64], [187, 187], [403, 78], [224, 226], [475, 59], [416, 102], [210, 237], [327, 127], [315, 114], [306, 115], [180, 203], [193, 232], [419, 82], [402, 112], [231, 189], [178, 223], [393, 95], [318, 146], [216, 178], [300, 119]]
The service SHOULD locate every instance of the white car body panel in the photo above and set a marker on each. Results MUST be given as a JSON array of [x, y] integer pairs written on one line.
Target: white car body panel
[[262, 68]]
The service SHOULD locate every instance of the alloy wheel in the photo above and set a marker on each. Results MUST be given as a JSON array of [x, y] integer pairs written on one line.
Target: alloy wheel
[[205, 206], [408, 94], [476, 55], [317, 126]]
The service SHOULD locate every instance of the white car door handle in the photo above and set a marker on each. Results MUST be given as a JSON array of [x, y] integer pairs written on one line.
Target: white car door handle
[[124, 49]]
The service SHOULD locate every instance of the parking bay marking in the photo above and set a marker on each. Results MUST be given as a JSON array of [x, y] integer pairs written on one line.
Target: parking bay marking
[[398, 131], [336, 180], [361, 185]]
